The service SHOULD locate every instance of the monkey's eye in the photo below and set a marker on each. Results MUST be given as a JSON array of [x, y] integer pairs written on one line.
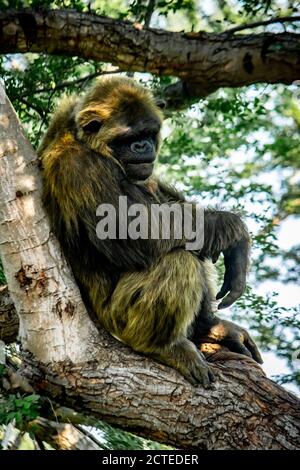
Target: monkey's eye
[[92, 126], [161, 103]]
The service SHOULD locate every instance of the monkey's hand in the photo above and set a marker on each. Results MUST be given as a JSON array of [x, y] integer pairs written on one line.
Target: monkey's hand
[[225, 232], [188, 360], [234, 337], [236, 262]]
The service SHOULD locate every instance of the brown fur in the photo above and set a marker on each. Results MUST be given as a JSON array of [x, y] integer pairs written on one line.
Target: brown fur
[[147, 293]]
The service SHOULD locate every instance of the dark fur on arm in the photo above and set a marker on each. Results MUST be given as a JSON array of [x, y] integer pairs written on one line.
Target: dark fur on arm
[[222, 230]]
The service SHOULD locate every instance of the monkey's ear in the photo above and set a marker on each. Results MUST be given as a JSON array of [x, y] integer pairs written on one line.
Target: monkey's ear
[[93, 126], [160, 103]]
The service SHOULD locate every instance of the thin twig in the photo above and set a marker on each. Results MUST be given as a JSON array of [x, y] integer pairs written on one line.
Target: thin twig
[[35, 108], [149, 12], [88, 434], [68, 83], [283, 19]]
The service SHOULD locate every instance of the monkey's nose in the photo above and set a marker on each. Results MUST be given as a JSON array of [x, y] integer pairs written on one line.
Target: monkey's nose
[[141, 146]]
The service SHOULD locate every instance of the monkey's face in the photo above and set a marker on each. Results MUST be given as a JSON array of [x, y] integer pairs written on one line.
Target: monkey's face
[[137, 147], [120, 119]]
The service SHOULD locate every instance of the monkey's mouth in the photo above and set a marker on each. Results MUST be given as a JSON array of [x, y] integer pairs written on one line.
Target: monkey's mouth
[[139, 171]]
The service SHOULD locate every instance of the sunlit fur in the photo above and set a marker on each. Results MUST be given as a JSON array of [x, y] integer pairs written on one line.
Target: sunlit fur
[[148, 293], [116, 107]]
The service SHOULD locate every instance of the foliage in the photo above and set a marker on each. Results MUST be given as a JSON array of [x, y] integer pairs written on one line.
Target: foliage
[[254, 7], [140, 8], [117, 439], [50, 77], [19, 409]]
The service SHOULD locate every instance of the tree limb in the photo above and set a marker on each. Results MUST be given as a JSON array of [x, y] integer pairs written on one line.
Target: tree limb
[[149, 12], [256, 24], [62, 436], [65, 357], [245, 410], [204, 62]]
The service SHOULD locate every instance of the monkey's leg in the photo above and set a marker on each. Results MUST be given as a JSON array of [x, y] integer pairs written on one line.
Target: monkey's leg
[[152, 311]]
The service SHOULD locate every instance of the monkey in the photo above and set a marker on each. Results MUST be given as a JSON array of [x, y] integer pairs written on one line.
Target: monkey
[[154, 295]]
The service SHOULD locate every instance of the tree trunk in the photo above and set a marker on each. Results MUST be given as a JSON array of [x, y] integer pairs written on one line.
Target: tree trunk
[[41, 284], [203, 61], [9, 321], [66, 358]]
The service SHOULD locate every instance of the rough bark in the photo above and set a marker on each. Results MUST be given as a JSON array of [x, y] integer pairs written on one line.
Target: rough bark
[[40, 283], [66, 358], [9, 321], [245, 410], [203, 61]]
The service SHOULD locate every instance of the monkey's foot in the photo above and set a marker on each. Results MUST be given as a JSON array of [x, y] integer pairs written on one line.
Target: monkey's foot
[[235, 338], [189, 361]]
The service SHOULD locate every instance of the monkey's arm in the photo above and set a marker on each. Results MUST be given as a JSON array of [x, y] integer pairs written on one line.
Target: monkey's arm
[[224, 232]]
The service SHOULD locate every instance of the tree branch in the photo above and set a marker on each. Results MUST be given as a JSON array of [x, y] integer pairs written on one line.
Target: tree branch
[[37, 109], [202, 61], [149, 12], [65, 357], [245, 410], [62, 436], [282, 19]]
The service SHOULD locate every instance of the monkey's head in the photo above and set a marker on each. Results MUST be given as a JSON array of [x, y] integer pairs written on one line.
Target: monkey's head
[[119, 118]]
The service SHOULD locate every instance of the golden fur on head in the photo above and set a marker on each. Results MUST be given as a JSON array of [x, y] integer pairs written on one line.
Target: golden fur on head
[[61, 125], [117, 103]]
